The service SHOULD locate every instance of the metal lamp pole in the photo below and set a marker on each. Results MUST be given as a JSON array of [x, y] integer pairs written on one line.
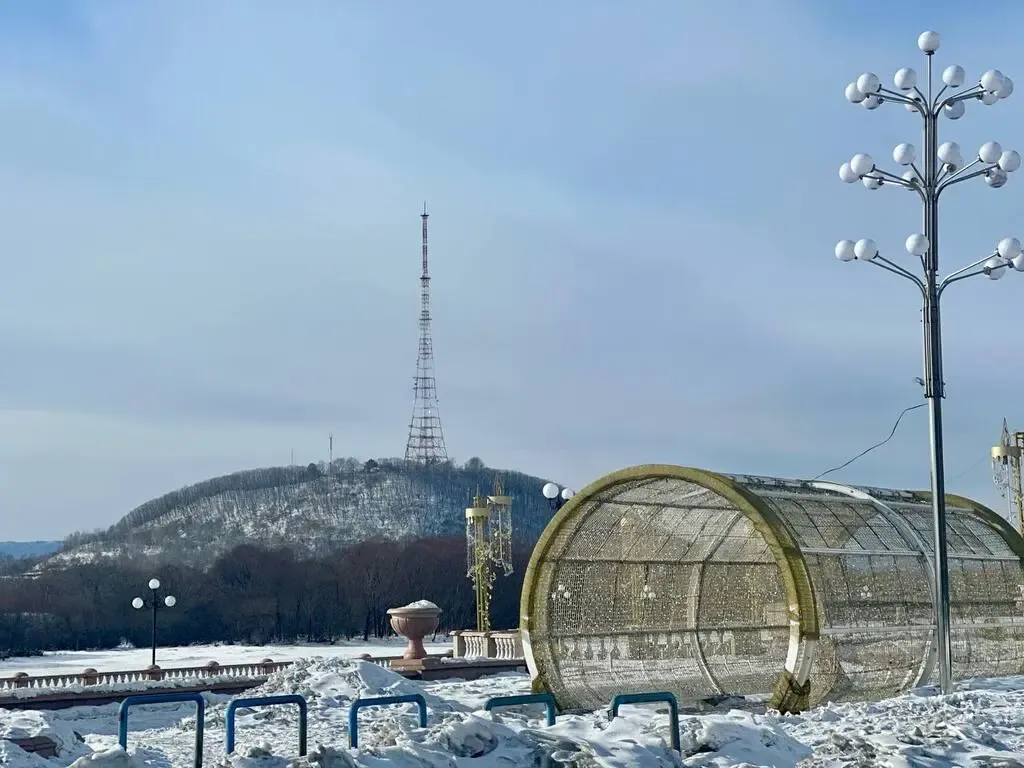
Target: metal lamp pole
[[942, 166], [556, 496], [138, 604]]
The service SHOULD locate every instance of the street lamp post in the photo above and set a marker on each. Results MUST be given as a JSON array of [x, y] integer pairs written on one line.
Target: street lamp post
[[941, 167], [138, 604], [556, 496]]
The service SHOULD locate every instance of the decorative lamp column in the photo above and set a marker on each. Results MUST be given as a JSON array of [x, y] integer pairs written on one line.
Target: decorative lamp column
[[138, 604], [478, 560], [939, 167]]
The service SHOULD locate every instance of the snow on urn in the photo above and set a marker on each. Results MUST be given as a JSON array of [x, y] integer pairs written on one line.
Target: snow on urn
[[414, 622]]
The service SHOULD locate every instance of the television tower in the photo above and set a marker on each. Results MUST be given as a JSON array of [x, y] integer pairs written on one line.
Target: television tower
[[426, 439]]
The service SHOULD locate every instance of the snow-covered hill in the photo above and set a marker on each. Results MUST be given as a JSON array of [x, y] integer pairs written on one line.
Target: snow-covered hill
[[307, 508]]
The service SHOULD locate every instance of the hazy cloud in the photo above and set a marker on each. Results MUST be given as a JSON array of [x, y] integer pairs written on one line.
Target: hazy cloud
[[210, 242]]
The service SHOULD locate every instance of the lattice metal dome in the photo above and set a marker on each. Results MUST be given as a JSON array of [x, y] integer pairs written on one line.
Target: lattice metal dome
[[786, 592]]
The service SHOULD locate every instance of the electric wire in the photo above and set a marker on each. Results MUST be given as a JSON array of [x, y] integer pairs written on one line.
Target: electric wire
[[866, 451]]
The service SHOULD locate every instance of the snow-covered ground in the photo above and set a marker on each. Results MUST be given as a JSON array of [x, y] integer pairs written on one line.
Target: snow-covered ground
[[981, 725], [75, 662]]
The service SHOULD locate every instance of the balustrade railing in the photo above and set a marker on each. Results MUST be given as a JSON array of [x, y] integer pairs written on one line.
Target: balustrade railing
[[505, 645], [212, 671], [502, 646]]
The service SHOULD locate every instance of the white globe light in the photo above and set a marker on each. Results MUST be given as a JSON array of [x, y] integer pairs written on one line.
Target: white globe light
[[955, 110], [917, 245], [854, 94], [871, 101], [1018, 262], [910, 107], [567, 493], [137, 603], [865, 249], [170, 601], [990, 152], [928, 41], [154, 583], [905, 79], [1005, 89], [862, 164], [904, 154], [550, 491], [872, 182], [991, 81], [995, 268], [996, 178], [845, 250], [1009, 161], [868, 83], [953, 75], [988, 98], [910, 177], [846, 173], [949, 152], [1008, 248]]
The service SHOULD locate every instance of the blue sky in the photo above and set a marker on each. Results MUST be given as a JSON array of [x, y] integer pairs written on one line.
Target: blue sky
[[210, 235]]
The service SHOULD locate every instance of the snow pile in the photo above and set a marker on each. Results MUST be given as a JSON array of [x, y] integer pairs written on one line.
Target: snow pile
[[108, 758], [17, 724], [335, 682], [739, 738], [419, 605], [979, 726]]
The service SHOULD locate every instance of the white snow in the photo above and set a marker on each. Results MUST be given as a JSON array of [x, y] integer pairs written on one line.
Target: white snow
[[76, 662], [419, 605], [981, 725]]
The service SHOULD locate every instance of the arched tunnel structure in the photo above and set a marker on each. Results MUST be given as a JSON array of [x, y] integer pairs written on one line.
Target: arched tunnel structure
[[786, 592]]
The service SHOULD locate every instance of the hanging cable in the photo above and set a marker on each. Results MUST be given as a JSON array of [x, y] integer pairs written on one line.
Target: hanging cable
[[866, 451]]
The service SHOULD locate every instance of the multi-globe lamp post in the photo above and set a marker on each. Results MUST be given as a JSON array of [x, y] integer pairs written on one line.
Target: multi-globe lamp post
[[138, 604], [556, 496], [941, 166]]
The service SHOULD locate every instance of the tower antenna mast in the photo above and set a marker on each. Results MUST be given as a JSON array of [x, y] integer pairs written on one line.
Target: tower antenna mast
[[1006, 472], [426, 438]]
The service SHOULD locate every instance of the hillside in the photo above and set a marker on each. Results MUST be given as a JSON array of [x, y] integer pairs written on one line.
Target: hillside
[[307, 508]]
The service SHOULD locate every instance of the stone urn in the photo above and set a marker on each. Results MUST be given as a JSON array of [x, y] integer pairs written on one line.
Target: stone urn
[[414, 622]]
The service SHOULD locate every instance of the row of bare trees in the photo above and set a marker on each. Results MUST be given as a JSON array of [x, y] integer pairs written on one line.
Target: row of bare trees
[[250, 595]]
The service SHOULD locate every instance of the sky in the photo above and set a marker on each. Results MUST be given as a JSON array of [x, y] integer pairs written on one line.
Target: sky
[[210, 242]]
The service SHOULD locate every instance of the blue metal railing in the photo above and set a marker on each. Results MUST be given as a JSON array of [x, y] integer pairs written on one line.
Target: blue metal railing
[[163, 698], [652, 698], [382, 701], [498, 702], [266, 701]]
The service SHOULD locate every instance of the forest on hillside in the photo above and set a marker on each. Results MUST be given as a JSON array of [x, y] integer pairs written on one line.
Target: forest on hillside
[[248, 595], [314, 510]]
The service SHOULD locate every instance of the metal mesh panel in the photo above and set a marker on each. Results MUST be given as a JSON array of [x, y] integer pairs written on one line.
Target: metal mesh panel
[[654, 581], [660, 585]]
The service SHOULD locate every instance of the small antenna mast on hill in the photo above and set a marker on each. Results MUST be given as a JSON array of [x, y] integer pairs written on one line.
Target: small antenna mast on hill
[[330, 465]]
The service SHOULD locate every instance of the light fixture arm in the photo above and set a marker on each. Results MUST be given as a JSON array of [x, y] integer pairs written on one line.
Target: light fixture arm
[[891, 95], [890, 266], [964, 272], [971, 93], [956, 178]]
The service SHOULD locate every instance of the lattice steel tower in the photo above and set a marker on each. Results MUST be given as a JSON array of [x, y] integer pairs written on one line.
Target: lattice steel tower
[[426, 438]]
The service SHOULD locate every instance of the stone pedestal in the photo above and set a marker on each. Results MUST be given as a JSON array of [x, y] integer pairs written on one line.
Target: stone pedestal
[[414, 622]]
